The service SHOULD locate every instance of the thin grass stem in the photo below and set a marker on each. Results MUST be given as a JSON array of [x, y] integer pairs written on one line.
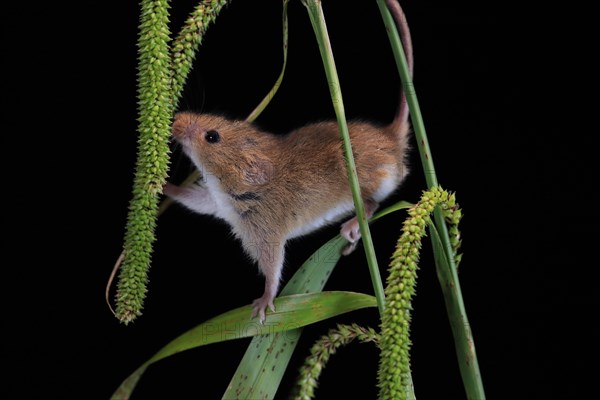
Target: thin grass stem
[[317, 19]]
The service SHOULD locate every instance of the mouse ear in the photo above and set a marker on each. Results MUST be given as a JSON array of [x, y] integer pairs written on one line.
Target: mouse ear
[[258, 170]]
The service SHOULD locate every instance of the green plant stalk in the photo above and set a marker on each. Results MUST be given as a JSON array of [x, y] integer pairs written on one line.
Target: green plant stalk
[[155, 109], [463, 338], [317, 19], [464, 341]]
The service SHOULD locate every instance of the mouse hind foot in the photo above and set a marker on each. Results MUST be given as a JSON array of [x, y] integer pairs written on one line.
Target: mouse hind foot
[[350, 229], [259, 307]]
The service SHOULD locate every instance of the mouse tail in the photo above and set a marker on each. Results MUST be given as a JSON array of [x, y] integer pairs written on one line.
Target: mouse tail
[[400, 125]]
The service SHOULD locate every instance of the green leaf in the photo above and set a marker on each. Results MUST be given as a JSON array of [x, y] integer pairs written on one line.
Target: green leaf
[[265, 361], [124, 391], [401, 205], [291, 312]]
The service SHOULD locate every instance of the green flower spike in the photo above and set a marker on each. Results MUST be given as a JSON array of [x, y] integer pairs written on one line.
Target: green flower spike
[[394, 366], [155, 108], [323, 348], [187, 42]]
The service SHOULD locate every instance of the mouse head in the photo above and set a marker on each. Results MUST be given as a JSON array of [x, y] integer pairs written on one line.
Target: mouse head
[[235, 152]]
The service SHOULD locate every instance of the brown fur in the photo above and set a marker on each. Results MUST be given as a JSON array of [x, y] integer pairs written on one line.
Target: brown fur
[[303, 171]]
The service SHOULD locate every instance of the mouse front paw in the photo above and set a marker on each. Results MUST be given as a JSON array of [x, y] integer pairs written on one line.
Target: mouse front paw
[[259, 306], [171, 190]]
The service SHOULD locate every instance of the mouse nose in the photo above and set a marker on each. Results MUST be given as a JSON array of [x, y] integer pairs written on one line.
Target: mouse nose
[[183, 129]]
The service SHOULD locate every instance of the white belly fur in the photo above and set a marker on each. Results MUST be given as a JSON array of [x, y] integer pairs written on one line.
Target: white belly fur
[[224, 208], [387, 187], [330, 216], [388, 184]]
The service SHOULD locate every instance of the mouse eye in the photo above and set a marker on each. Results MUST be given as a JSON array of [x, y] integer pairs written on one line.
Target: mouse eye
[[212, 136]]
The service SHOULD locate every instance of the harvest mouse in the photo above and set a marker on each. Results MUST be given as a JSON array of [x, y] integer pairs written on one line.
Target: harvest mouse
[[272, 188]]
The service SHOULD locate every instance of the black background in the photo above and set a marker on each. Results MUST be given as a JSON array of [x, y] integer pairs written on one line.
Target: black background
[[492, 95]]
